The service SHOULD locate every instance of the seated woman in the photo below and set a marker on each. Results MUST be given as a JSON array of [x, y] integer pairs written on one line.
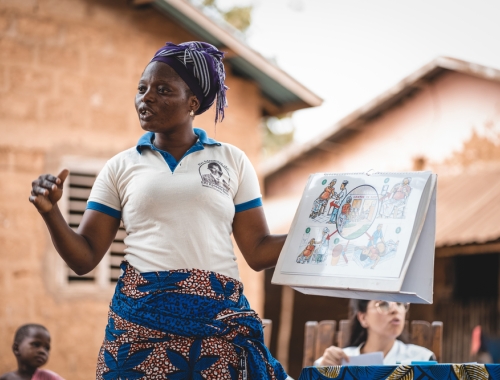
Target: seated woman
[[376, 326]]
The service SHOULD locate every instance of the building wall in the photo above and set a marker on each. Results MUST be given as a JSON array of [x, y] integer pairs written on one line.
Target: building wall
[[68, 75], [434, 124], [436, 129]]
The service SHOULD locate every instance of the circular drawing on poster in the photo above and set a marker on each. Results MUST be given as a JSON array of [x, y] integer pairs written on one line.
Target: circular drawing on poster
[[308, 229], [323, 182], [357, 212]]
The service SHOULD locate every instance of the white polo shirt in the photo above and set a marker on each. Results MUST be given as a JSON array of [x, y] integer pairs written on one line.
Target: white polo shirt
[[178, 215]]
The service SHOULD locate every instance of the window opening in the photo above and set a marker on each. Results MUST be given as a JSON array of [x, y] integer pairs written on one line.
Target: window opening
[[80, 185]]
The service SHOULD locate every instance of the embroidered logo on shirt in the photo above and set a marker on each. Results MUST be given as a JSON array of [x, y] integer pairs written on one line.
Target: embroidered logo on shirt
[[214, 174]]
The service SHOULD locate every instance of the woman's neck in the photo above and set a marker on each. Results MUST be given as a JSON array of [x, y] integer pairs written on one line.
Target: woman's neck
[[176, 143], [378, 343]]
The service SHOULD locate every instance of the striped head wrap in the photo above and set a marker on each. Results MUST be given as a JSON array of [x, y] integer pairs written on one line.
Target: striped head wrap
[[199, 64]]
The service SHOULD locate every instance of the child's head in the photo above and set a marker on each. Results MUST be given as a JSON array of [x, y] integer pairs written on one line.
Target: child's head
[[31, 345]]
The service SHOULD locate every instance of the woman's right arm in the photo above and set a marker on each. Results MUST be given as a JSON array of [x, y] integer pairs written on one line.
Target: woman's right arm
[[81, 250]]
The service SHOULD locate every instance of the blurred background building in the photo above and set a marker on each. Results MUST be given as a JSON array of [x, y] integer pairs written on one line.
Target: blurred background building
[[69, 72], [444, 117]]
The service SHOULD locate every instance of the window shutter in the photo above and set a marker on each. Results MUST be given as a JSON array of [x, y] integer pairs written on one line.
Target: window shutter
[[80, 185]]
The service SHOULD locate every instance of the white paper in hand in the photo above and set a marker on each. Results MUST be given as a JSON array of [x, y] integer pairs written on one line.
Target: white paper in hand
[[373, 358]]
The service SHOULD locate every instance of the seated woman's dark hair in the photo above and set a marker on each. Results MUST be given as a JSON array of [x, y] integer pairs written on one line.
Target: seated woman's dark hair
[[358, 333]]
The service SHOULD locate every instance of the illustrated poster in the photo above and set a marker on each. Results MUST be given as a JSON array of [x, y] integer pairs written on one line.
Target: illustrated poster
[[354, 225]]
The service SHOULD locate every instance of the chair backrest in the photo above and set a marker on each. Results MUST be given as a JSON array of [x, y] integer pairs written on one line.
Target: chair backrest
[[267, 325], [428, 335], [319, 336]]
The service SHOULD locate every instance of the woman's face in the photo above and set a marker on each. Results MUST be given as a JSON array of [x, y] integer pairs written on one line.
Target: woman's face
[[384, 322], [163, 100]]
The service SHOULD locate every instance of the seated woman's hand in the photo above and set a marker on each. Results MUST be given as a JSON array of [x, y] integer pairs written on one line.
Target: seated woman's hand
[[333, 356]]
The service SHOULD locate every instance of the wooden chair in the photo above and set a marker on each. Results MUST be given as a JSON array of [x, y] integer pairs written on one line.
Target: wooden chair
[[267, 325], [319, 336]]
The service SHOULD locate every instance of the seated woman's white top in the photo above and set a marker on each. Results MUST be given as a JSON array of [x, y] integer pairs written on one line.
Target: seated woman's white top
[[399, 353]]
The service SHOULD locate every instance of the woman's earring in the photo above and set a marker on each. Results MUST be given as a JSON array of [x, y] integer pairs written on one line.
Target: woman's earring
[[191, 113]]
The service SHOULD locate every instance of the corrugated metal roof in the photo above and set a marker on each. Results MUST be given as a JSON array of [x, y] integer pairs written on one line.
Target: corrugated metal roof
[[468, 208], [283, 93]]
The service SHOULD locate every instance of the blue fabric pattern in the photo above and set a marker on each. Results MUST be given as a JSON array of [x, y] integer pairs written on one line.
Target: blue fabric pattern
[[409, 372], [186, 324]]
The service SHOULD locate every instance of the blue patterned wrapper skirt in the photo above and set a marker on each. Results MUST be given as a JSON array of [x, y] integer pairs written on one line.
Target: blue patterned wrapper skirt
[[183, 324]]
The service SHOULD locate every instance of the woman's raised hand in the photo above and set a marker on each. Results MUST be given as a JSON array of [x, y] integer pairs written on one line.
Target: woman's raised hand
[[333, 356], [46, 190]]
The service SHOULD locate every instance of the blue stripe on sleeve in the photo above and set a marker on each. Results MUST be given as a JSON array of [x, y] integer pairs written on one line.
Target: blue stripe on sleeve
[[104, 209], [248, 205]]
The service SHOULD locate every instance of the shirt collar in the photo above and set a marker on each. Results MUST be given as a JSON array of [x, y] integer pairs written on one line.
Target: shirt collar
[[146, 140]]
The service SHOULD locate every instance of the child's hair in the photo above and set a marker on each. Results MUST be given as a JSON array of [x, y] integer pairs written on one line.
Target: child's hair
[[24, 331]]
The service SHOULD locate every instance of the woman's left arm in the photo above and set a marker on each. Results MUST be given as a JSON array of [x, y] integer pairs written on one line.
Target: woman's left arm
[[259, 248]]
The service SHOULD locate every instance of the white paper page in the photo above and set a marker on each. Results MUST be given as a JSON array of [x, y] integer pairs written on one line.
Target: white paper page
[[373, 358], [367, 239]]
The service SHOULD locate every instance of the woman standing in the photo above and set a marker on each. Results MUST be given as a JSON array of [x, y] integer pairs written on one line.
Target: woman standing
[[178, 311]]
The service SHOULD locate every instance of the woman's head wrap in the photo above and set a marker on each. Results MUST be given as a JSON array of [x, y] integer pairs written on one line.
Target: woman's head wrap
[[199, 64]]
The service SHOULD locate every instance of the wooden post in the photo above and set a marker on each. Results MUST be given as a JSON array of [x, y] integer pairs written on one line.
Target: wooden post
[[437, 340], [285, 328], [267, 326]]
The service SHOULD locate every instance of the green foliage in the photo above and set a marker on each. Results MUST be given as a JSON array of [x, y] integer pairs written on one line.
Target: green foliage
[[277, 133], [238, 17]]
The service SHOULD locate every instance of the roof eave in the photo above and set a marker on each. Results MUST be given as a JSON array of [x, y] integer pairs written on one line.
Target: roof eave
[[199, 24], [383, 102]]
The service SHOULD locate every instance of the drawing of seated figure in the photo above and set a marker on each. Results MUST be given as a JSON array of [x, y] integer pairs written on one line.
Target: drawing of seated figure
[[306, 254], [319, 205], [344, 214], [393, 203], [355, 215], [321, 251]]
